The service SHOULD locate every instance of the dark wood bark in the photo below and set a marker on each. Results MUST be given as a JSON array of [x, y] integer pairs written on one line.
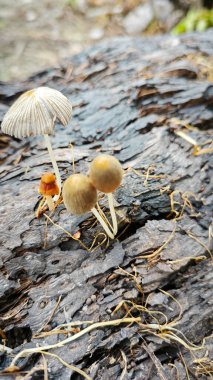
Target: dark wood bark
[[129, 98]]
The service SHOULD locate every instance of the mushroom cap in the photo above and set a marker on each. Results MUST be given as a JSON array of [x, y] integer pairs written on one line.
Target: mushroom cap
[[79, 194], [48, 185], [35, 112], [106, 173], [48, 178]]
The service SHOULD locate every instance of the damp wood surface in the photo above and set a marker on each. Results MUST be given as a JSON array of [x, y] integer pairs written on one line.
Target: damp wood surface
[[131, 98]]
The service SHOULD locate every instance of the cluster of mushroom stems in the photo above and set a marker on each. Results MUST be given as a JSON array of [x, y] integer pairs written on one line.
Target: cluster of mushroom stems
[[35, 113]]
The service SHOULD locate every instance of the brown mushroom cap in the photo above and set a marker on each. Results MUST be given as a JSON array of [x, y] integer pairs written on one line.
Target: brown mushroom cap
[[48, 185], [106, 173], [79, 194]]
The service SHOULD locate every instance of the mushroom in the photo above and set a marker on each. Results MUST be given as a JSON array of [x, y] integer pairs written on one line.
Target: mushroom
[[80, 196], [34, 113], [48, 187], [106, 174]]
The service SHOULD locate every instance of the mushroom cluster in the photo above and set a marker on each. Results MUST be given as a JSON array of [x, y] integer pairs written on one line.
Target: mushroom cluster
[[80, 192], [35, 113], [80, 196]]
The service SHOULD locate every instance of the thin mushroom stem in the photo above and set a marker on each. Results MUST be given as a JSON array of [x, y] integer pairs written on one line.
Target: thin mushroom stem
[[112, 212], [103, 216], [49, 202], [54, 163], [104, 225]]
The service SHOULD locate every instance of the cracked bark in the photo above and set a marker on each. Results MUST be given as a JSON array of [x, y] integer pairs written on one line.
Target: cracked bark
[[126, 94]]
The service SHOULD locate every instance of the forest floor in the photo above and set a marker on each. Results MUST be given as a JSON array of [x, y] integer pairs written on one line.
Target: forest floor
[[39, 34]]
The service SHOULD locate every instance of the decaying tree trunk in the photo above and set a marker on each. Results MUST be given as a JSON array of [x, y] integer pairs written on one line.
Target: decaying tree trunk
[[137, 99]]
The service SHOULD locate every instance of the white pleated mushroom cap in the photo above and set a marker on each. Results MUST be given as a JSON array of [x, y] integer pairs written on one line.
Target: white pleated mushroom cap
[[35, 112]]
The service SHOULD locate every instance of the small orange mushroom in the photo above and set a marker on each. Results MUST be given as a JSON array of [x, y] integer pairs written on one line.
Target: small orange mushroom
[[48, 187]]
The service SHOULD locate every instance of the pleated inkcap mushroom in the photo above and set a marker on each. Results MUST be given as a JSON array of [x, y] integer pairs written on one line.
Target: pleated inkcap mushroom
[[80, 196], [35, 113]]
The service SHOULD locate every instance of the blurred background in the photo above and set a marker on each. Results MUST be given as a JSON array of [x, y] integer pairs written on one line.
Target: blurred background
[[36, 34]]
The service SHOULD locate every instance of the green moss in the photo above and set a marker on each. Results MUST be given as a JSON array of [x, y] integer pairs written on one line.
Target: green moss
[[2, 24], [198, 20], [72, 3]]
